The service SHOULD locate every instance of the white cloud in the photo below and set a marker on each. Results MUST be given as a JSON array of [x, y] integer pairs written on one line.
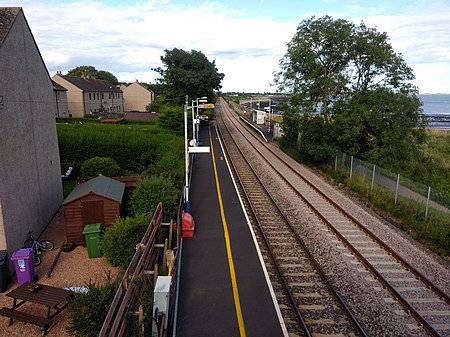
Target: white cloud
[[432, 77], [128, 40], [422, 36]]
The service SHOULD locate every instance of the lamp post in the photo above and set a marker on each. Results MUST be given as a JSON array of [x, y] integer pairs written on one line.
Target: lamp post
[[193, 121], [195, 117], [190, 148], [203, 99], [187, 206]]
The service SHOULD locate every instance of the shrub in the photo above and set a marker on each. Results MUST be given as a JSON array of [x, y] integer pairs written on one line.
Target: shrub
[[172, 118], [151, 191], [91, 116], [89, 310], [120, 239], [99, 166]]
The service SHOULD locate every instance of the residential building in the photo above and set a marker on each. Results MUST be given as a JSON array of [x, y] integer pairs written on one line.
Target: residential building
[[88, 95], [30, 173], [60, 99], [136, 97]]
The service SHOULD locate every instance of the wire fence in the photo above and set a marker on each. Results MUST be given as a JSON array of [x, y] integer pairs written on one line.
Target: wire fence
[[401, 188]]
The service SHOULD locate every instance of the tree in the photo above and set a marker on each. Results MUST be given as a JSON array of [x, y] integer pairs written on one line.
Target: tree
[[189, 73], [91, 71], [349, 76]]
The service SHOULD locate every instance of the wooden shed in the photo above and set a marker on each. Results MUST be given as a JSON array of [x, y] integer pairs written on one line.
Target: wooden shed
[[95, 201]]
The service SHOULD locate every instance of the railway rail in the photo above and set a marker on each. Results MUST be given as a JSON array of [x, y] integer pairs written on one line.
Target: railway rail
[[418, 296], [311, 304]]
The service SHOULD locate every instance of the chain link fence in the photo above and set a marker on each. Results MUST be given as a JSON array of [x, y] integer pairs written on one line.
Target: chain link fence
[[402, 189]]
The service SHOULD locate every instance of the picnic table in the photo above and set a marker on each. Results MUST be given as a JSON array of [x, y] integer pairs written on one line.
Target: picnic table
[[51, 297]]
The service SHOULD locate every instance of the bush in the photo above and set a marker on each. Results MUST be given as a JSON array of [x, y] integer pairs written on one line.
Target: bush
[[99, 166], [91, 116], [150, 192], [120, 239], [89, 310]]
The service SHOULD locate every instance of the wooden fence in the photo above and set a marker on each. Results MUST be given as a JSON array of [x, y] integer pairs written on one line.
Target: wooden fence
[[126, 314]]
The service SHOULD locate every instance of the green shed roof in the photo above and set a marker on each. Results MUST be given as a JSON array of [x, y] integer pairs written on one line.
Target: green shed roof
[[102, 186]]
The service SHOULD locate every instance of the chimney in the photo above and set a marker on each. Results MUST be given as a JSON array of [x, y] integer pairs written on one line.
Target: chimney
[[82, 74]]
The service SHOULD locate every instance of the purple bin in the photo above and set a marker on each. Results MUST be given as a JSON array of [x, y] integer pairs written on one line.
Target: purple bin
[[23, 260]]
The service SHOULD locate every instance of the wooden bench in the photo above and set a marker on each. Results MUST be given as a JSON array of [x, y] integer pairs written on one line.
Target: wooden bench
[[41, 322]]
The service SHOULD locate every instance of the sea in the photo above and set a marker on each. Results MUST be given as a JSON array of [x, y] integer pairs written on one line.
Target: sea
[[436, 107]]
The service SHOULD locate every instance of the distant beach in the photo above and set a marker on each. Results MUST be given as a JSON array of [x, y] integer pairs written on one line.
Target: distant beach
[[437, 109]]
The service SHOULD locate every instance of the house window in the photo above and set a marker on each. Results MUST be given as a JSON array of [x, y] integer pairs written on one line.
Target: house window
[[89, 96], [102, 96]]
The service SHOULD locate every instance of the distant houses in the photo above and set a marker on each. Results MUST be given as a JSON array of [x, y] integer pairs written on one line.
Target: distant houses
[[60, 96], [136, 97], [88, 95], [30, 174]]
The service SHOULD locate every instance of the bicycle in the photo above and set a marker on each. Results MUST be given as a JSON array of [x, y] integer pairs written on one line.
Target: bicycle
[[38, 247]]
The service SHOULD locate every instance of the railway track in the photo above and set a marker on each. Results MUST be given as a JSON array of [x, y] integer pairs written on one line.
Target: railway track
[[417, 295], [311, 305]]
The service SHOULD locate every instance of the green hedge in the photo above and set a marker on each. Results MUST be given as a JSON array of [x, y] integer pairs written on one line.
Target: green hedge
[[119, 241], [153, 190], [126, 144]]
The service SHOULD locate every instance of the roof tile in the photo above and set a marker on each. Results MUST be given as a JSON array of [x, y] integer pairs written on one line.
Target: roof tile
[[7, 17], [90, 84]]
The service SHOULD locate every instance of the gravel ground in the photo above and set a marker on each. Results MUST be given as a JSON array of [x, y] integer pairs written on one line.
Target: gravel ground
[[72, 269]]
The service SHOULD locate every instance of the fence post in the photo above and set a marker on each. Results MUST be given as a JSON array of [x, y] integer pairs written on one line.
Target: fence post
[[170, 234], [428, 200], [155, 274], [164, 263], [396, 188], [335, 164], [351, 167], [373, 178]]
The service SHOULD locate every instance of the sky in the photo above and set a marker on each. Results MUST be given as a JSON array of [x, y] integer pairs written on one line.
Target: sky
[[245, 38]]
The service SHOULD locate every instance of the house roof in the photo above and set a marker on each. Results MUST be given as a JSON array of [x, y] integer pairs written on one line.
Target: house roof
[[102, 186], [7, 17], [136, 83], [58, 87], [90, 84]]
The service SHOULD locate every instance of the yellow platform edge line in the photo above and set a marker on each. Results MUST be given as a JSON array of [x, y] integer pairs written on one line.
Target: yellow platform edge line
[[237, 302]]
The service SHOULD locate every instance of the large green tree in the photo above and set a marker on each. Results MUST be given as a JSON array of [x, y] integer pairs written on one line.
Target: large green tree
[[189, 73], [348, 79], [98, 74]]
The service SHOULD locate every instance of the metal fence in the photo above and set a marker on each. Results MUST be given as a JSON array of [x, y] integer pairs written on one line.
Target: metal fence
[[402, 189]]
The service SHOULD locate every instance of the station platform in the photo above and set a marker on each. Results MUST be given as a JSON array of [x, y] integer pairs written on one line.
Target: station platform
[[263, 128], [223, 288]]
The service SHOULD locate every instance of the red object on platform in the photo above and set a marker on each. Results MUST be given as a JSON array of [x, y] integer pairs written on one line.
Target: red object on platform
[[187, 226]]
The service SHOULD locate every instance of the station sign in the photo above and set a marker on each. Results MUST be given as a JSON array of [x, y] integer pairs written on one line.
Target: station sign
[[206, 106], [198, 149]]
